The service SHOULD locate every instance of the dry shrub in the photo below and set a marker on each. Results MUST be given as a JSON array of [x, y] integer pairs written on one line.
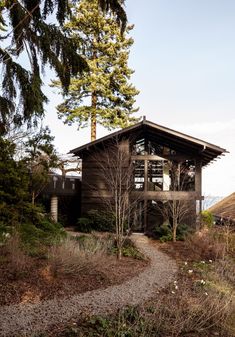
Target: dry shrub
[[71, 257], [19, 261], [224, 272], [183, 314], [207, 245]]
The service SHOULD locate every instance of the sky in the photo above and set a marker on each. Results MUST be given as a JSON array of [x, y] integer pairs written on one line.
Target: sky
[[184, 62]]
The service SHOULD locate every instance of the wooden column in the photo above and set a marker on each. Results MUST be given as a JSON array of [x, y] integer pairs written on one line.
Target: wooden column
[[198, 177], [145, 192], [54, 208]]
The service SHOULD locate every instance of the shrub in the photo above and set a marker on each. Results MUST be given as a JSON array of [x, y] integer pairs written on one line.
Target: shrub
[[85, 225], [36, 239], [207, 219], [128, 250], [164, 232], [97, 220], [207, 245]]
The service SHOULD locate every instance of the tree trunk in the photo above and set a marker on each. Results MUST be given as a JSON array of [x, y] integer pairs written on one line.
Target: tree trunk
[[93, 116], [33, 198], [174, 230], [119, 253]]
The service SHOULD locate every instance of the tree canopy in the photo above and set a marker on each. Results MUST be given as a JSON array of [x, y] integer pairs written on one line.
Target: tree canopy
[[103, 94], [25, 30]]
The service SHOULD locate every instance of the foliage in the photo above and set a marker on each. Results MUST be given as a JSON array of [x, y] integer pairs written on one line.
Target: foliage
[[14, 182], [207, 219], [36, 239], [25, 24], [22, 180], [103, 95], [97, 220], [40, 157], [164, 232]]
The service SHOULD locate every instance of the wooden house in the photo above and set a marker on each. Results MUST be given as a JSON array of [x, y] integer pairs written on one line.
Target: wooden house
[[224, 210], [167, 165]]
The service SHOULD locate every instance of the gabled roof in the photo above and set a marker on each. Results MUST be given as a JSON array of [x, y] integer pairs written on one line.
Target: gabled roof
[[225, 208], [164, 135]]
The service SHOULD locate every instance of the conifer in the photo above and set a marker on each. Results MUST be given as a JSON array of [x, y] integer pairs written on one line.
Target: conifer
[[103, 95]]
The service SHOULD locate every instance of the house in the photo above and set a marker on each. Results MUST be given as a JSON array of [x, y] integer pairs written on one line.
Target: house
[[167, 165], [224, 210]]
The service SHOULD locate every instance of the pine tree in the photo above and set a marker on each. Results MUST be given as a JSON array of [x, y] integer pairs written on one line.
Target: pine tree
[[24, 28], [103, 95]]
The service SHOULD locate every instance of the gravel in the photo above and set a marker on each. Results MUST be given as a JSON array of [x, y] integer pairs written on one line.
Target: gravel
[[29, 319]]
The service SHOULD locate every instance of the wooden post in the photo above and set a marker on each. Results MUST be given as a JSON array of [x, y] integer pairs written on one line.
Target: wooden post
[[54, 208], [145, 192]]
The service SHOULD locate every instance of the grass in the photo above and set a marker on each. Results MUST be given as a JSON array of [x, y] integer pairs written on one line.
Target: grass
[[71, 255]]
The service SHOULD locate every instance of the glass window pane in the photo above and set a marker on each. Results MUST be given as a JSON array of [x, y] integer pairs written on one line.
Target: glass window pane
[[138, 175]]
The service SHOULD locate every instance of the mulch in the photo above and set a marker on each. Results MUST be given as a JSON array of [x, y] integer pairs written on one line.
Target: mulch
[[36, 283]]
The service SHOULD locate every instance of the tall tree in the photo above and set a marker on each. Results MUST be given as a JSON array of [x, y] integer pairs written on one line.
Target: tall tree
[[24, 29], [103, 95]]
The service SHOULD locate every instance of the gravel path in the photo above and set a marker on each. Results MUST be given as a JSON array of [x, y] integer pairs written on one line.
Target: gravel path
[[28, 319]]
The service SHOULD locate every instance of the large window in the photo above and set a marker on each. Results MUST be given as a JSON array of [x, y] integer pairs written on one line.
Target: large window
[[165, 172], [144, 146]]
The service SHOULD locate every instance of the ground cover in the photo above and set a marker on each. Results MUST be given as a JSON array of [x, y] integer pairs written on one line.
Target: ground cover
[[200, 301], [74, 267]]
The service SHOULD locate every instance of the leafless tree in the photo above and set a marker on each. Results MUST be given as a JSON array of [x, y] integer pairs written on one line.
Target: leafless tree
[[175, 210], [116, 170]]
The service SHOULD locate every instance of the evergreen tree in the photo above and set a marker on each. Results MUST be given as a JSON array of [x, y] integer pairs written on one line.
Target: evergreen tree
[[40, 158], [24, 28], [103, 95]]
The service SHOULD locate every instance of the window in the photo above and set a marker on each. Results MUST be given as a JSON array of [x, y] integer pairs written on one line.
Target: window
[[145, 146], [187, 175], [138, 175], [155, 175]]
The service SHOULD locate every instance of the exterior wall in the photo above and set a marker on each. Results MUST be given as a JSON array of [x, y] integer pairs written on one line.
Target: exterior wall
[[95, 187]]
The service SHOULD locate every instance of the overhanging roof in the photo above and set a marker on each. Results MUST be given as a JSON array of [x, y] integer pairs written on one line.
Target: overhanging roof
[[177, 140], [225, 208]]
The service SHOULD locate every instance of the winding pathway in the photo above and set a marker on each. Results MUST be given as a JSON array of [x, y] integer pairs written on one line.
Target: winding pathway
[[28, 319]]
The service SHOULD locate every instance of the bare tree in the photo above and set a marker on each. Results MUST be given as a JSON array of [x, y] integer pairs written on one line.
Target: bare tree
[[116, 170], [175, 210]]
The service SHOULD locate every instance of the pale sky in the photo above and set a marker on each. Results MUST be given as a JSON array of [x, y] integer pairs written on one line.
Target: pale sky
[[184, 62]]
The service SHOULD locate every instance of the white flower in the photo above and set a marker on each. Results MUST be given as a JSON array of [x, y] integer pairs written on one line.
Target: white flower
[[173, 292], [175, 282], [202, 282], [176, 287], [203, 262], [206, 294], [185, 263], [190, 271], [210, 261]]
